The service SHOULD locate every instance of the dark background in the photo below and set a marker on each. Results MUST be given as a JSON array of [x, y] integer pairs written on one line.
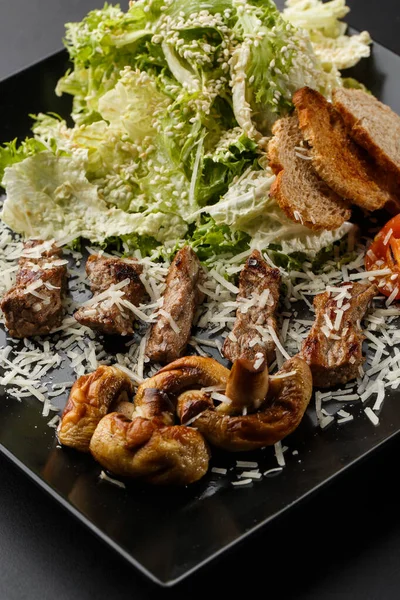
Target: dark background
[[345, 543]]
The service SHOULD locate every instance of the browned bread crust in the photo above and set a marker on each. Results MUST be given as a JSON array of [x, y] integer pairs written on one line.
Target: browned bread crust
[[344, 165], [373, 125], [298, 189]]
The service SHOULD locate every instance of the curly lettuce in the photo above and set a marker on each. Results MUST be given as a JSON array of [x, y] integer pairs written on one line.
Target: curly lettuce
[[51, 197], [331, 45]]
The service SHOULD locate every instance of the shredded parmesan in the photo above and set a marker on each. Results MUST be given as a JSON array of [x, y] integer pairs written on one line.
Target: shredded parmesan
[[246, 464], [371, 416], [242, 482], [219, 471], [221, 398], [272, 471], [368, 274], [279, 454], [251, 474], [168, 316], [104, 477], [277, 342], [229, 286]]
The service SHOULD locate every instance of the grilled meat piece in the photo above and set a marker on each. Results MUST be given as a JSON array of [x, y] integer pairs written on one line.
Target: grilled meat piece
[[181, 298], [112, 314], [333, 348], [259, 293], [149, 446], [91, 398], [33, 306]]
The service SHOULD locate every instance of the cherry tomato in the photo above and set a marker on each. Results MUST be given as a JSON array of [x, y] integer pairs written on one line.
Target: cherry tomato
[[384, 253]]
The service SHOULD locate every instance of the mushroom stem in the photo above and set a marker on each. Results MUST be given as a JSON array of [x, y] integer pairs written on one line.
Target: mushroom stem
[[247, 387]]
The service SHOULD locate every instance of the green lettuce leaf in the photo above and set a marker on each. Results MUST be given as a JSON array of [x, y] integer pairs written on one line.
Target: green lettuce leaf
[[12, 152], [50, 197], [211, 240], [272, 62], [327, 33]]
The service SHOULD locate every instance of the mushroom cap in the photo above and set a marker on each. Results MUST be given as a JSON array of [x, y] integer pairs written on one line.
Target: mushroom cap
[[286, 403], [149, 450], [185, 373], [91, 397]]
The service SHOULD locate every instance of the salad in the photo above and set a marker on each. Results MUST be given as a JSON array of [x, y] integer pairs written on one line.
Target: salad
[[173, 103]]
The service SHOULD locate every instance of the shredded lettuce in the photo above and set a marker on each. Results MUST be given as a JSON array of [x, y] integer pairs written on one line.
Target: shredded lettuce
[[12, 153], [50, 196], [334, 49], [173, 101]]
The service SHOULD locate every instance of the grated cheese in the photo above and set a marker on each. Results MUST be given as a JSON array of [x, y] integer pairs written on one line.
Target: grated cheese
[[246, 464], [274, 470], [219, 471], [392, 296], [221, 398], [277, 342], [279, 454], [229, 286], [251, 474], [242, 482], [371, 416], [368, 274]]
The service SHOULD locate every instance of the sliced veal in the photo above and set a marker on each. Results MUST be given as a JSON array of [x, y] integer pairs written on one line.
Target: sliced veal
[[112, 313], [33, 306], [333, 348], [171, 332], [258, 297]]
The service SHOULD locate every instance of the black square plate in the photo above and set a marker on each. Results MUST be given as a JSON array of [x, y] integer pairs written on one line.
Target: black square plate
[[169, 533]]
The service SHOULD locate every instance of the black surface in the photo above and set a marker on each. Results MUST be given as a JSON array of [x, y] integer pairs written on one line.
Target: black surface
[[343, 544]]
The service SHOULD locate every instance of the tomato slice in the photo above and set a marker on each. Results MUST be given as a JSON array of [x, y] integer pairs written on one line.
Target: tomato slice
[[384, 253]]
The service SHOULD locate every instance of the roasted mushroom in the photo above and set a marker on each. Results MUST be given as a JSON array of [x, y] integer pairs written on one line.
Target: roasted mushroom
[[91, 397], [287, 399], [149, 446], [246, 387], [187, 372]]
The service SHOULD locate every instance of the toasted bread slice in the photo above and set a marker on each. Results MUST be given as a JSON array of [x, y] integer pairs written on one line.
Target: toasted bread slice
[[299, 191], [373, 125], [342, 163]]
